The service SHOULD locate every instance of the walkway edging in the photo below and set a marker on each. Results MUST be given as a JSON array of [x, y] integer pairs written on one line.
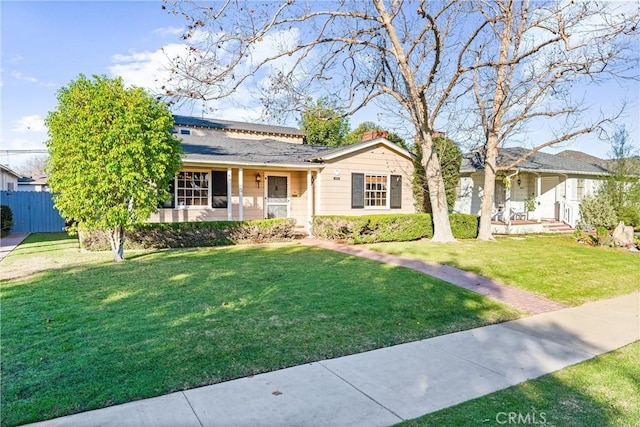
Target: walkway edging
[[489, 288]]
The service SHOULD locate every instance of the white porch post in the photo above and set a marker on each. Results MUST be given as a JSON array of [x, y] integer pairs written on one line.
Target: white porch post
[[318, 191], [309, 201], [538, 193], [229, 196], [507, 201], [240, 194]]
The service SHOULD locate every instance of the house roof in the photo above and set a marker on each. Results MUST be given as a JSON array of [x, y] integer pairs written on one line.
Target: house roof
[[10, 171], [343, 150], [220, 149], [588, 158], [38, 180], [256, 152], [238, 126], [537, 162]]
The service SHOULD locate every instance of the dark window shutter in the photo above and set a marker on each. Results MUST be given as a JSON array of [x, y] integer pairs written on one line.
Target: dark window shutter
[[357, 190], [171, 201], [219, 196], [396, 191]]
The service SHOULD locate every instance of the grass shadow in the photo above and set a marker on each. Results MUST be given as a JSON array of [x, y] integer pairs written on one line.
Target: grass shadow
[[88, 336]]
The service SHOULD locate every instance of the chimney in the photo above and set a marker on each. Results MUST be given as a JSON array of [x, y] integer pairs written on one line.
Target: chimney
[[373, 134]]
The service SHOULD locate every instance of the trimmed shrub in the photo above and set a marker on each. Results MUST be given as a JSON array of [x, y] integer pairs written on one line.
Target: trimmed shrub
[[597, 211], [195, 234], [6, 218], [388, 228], [464, 226]]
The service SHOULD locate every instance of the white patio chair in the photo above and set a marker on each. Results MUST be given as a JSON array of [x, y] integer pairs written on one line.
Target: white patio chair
[[515, 215]]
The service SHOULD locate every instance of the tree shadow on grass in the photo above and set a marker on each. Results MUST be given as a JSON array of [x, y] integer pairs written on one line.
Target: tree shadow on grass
[[598, 392], [91, 336], [601, 391]]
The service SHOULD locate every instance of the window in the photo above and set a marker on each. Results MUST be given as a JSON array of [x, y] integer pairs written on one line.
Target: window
[[10, 186], [192, 189], [580, 189], [185, 131], [375, 191]]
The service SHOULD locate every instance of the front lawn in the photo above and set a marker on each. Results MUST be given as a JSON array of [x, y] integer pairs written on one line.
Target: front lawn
[[599, 392], [553, 266], [80, 332]]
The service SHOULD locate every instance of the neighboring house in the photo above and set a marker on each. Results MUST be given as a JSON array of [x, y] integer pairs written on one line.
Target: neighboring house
[[556, 183], [40, 183], [8, 179], [242, 171]]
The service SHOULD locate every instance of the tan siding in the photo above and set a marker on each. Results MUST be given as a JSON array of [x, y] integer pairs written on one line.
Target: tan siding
[[293, 139], [336, 180]]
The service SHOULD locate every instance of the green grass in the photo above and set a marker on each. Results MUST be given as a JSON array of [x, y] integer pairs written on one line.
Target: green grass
[[80, 332], [553, 266], [604, 391]]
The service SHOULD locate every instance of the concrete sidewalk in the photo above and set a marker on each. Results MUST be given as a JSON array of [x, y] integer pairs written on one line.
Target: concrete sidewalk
[[9, 243], [385, 386]]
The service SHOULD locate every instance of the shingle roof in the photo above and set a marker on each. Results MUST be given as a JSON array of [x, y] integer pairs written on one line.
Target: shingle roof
[[233, 125], [266, 151], [9, 170], [537, 162], [584, 157]]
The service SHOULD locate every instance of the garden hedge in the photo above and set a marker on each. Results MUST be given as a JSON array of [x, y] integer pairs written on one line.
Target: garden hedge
[[6, 218], [195, 234], [388, 228]]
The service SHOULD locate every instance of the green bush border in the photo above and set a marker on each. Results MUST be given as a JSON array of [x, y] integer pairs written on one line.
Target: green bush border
[[195, 234], [388, 228], [6, 219]]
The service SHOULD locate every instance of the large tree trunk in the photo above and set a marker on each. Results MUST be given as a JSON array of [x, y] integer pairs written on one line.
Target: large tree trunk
[[488, 189], [116, 240], [437, 195]]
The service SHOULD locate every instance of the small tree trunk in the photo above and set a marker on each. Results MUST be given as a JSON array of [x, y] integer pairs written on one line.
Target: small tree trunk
[[116, 240], [488, 193], [437, 196]]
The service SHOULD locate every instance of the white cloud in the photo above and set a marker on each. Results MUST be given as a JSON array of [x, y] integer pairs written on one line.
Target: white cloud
[[19, 76], [168, 31], [33, 123], [152, 70]]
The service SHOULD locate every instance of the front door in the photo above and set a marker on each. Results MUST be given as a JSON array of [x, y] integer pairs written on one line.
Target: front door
[[277, 200], [547, 207]]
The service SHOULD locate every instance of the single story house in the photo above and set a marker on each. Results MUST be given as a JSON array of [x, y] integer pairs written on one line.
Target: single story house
[[555, 185], [38, 183], [241, 171], [8, 179]]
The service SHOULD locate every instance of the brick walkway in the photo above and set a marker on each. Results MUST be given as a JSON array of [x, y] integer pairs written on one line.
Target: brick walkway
[[489, 288]]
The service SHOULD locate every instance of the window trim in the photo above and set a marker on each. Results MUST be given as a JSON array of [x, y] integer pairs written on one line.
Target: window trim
[[177, 189], [387, 191]]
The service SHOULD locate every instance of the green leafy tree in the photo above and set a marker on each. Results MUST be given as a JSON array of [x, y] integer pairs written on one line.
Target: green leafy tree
[[112, 155], [355, 135], [323, 124], [451, 160], [622, 186]]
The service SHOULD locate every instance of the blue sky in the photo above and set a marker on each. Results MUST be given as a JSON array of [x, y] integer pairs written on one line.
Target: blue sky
[[45, 45]]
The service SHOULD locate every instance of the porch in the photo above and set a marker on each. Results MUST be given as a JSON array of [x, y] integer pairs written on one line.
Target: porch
[[523, 226]]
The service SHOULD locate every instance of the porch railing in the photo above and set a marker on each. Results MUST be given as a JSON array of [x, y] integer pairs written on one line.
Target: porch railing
[[569, 213]]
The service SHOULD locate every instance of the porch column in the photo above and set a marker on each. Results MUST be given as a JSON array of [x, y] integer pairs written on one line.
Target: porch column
[[318, 192], [538, 193], [229, 196], [240, 194], [309, 201], [507, 201]]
